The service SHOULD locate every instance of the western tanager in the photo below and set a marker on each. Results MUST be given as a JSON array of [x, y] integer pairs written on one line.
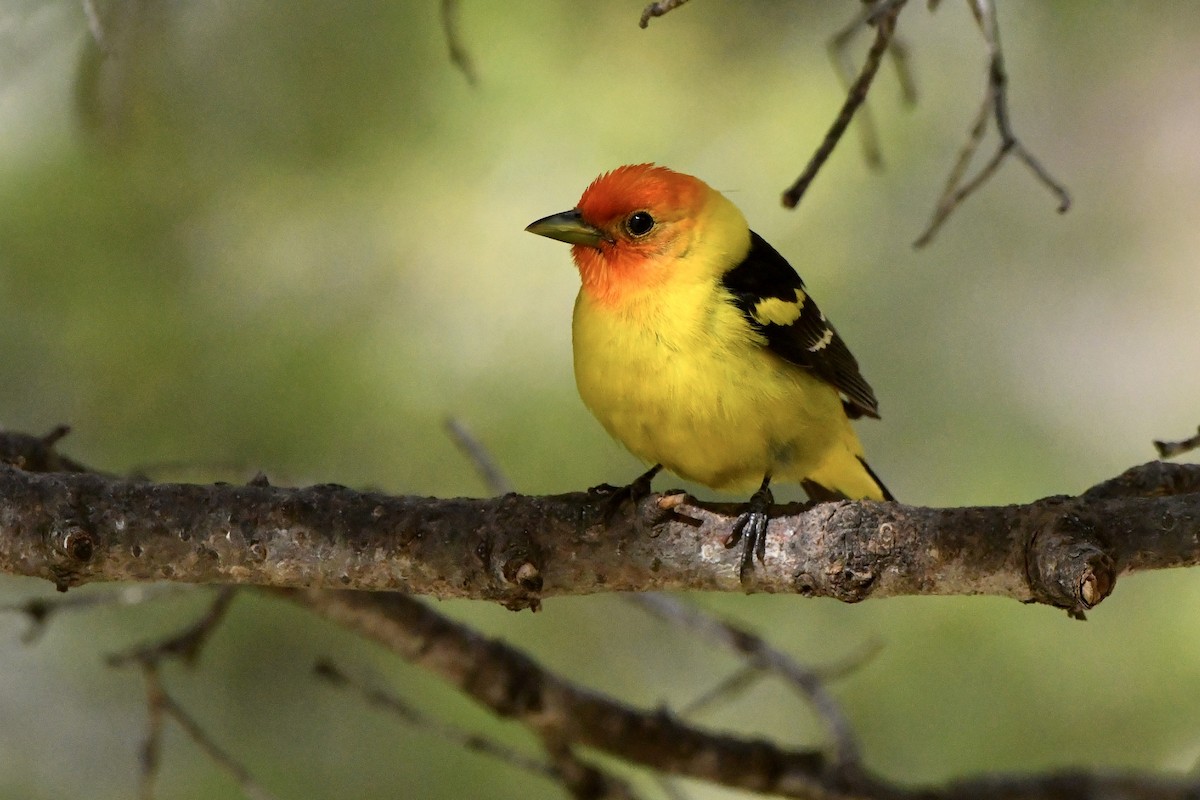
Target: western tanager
[[699, 349]]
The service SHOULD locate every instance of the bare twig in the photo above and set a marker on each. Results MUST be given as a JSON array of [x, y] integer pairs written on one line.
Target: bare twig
[[658, 9], [161, 704], [515, 687], [577, 777], [851, 662], [898, 50], [761, 656], [458, 52], [41, 609], [38, 453], [493, 477], [996, 100], [952, 194], [742, 679], [186, 644], [151, 754], [1172, 449], [728, 688], [582, 780], [838, 47], [885, 26], [389, 702]]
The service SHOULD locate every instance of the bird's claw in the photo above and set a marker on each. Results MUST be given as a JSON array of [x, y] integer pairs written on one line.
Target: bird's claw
[[617, 496], [751, 525]]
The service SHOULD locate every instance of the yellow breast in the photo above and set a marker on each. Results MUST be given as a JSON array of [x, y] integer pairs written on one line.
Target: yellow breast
[[680, 379]]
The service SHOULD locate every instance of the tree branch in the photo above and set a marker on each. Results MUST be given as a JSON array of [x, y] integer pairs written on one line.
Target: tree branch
[[885, 15], [995, 102], [838, 47], [658, 10], [459, 56], [1171, 449], [90, 525], [512, 685], [75, 528]]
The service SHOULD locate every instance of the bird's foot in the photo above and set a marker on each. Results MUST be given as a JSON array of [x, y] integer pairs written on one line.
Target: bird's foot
[[751, 526], [617, 496]]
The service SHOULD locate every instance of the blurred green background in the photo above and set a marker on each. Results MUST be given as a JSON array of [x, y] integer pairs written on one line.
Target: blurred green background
[[288, 237]]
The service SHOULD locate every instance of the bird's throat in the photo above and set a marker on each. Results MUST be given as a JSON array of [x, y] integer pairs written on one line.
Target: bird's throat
[[613, 278]]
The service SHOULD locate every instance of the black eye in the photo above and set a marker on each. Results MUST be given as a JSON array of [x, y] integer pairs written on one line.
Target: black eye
[[639, 223]]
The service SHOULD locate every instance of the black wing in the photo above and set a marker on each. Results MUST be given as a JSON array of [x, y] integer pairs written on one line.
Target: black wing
[[771, 296]]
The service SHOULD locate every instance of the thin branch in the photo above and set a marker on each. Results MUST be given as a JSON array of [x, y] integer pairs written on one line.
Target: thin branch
[[731, 686], [375, 696], [187, 644], [885, 25], [953, 192], [1172, 449], [850, 663], [459, 56], [151, 753], [838, 47], [742, 679], [515, 687], [761, 656], [995, 99], [493, 477], [898, 50], [41, 609], [658, 9], [162, 704], [37, 453], [582, 780]]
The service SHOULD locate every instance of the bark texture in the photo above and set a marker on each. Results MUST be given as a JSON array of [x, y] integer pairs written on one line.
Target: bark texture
[[73, 527]]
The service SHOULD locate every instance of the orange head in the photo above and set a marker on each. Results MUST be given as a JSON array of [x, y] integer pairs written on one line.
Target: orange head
[[632, 228]]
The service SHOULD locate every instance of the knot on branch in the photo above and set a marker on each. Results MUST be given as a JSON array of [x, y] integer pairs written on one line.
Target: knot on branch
[[1067, 564], [37, 453], [75, 545], [847, 567], [511, 555]]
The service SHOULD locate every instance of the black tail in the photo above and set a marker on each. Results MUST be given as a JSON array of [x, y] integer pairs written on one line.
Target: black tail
[[886, 494], [822, 494]]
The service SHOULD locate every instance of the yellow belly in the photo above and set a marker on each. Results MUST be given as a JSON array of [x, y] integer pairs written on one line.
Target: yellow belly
[[697, 392]]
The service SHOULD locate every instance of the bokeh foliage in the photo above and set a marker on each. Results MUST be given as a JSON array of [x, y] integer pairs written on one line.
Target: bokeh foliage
[[287, 236]]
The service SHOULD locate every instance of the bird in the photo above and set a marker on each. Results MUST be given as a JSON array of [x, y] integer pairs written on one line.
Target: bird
[[698, 347]]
